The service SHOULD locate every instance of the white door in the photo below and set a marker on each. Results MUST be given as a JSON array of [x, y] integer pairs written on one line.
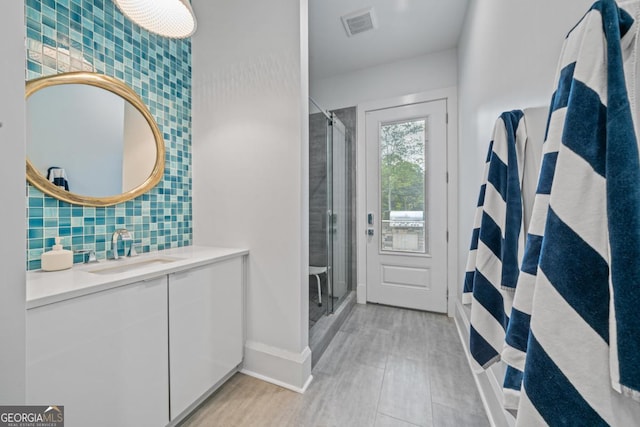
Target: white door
[[406, 150]]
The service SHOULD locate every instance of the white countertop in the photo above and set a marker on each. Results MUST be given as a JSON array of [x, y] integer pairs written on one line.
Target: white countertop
[[47, 287]]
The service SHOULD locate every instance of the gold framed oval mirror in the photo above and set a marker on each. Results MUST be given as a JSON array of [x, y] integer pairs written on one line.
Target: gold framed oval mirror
[[91, 140]]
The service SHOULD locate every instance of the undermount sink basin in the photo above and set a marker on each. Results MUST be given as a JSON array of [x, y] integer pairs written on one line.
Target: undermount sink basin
[[122, 268]]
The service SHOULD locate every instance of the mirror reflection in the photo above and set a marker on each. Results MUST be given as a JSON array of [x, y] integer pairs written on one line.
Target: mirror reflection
[[89, 140]]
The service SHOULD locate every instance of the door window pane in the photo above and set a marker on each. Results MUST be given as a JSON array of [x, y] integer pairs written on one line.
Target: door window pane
[[402, 186]]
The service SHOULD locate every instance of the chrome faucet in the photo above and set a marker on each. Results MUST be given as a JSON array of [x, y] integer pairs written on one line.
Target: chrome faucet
[[120, 234], [88, 255]]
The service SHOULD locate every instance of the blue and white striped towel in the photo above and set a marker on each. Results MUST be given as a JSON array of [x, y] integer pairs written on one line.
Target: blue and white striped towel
[[497, 242], [58, 177], [514, 351], [583, 349]]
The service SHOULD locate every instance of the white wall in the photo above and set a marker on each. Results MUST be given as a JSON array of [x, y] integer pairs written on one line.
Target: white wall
[[250, 177], [508, 54], [423, 73], [12, 176]]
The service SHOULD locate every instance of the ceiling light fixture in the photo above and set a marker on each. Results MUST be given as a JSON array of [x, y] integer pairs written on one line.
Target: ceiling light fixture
[[168, 18]]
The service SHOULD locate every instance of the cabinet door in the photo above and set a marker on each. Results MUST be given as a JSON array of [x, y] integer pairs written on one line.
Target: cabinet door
[[205, 329], [103, 356]]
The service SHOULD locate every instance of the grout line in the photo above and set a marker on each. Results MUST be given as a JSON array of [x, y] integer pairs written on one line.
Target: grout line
[[396, 418], [430, 394], [384, 375]]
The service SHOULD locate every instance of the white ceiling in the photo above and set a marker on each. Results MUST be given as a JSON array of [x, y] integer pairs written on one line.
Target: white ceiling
[[406, 28]]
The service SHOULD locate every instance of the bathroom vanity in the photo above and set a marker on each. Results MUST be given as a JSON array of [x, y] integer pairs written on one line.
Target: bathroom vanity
[[135, 342]]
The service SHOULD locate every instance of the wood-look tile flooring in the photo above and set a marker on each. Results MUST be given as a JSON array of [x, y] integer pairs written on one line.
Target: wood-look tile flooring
[[386, 367]]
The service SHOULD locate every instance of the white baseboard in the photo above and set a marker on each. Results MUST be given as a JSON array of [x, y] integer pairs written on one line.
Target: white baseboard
[[489, 386], [278, 383], [361, 293], [277, 366]]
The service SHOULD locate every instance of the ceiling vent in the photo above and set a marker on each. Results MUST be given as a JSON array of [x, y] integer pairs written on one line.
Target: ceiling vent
[[359, 21]]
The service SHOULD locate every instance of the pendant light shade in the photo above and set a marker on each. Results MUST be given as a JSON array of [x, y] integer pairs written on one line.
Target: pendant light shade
[[168, 18]]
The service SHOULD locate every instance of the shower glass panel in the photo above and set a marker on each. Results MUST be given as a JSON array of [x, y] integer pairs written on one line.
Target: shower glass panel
[[329, 214], [337, 227]]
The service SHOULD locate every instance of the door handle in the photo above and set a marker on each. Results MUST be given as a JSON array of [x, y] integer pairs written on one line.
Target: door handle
[[370, 229]]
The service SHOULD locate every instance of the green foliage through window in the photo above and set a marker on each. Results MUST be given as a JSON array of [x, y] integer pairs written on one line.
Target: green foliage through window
[[402, 166]]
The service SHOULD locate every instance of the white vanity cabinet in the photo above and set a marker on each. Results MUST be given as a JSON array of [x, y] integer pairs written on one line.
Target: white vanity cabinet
[[205, 330], [103, 356], [142, 346]]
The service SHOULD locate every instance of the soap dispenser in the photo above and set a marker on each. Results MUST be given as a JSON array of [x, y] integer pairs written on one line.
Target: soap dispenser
[[57, 258]]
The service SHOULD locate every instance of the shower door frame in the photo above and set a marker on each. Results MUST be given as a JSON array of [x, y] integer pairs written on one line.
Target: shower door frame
[[331, 215], [450, 95]]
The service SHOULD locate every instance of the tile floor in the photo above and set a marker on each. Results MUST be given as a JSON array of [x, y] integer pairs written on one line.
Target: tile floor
[[386, 367]]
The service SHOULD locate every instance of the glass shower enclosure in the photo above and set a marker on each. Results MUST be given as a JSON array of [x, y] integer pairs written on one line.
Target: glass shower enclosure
[[329, 216], [337, 216]]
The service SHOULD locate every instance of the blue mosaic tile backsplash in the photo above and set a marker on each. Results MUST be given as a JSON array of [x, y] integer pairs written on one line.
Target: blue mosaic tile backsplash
[[92, 35]]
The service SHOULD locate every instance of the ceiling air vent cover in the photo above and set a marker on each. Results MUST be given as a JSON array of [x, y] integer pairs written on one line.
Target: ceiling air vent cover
[[359, 21]]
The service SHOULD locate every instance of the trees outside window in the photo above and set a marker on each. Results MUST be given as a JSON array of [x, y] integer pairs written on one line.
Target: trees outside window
[[402, 167]]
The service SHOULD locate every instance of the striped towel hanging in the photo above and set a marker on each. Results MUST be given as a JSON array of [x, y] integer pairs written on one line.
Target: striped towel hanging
[[515, 348], [497, 241], [58, 176], [467, 291], [580, 283]]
